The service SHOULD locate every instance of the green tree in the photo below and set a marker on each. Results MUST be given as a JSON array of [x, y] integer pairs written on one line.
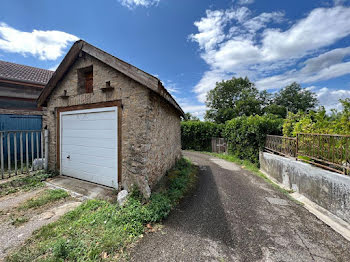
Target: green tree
[[294, 98], [233, 98], [277, 110], [190, 117]]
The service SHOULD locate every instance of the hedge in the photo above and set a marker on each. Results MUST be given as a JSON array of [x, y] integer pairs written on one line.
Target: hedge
[[246, 135], [196, 135]]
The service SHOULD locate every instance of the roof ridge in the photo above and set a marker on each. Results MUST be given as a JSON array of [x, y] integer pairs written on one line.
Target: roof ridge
[[123, 61], [133, 72]]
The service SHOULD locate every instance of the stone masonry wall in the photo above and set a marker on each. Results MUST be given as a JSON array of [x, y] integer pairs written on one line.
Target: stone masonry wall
[[140, 164], [165, 137]]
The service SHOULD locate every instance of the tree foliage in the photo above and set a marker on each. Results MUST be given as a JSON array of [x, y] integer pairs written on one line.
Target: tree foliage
[[239, 97], [319, 121], [294, 98], [233, 98], [190, 117]]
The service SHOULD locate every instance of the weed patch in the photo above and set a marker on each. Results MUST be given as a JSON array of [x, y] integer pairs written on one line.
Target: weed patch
[[17, 221], [99, 230], [50, 195], [24, 183]]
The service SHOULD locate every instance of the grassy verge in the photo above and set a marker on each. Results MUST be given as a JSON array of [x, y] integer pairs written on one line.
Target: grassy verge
[[253, 168], [48, 196], [99, 230], [25, 183]]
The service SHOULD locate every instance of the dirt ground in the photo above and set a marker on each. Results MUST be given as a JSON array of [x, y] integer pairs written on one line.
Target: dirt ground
[[17, 225]]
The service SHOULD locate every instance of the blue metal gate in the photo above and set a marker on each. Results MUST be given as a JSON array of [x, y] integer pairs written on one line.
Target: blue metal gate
[[20, 123]]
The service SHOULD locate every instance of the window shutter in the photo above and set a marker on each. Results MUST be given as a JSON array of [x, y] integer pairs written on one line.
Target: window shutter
[[88, 82]]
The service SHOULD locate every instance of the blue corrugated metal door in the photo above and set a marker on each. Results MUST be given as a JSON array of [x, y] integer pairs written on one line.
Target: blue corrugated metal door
[[18, 123]]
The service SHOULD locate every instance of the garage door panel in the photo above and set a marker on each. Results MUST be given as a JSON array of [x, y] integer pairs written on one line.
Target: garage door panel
[[104, 115], [91, 142], [74, 133], [90, 125], [89, 167], [88, 151], [89, 145], [88, 159], [91, 177]]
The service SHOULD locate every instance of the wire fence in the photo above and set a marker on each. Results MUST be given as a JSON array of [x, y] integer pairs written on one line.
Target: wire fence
[[324, 150]]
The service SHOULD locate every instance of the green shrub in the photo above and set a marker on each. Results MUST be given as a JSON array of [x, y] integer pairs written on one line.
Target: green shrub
[[196, 135], [319, 121], [246, 135]]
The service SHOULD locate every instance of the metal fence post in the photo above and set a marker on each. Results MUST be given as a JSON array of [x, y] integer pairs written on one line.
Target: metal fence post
[[296, 148], [46, 137], [2, 154]]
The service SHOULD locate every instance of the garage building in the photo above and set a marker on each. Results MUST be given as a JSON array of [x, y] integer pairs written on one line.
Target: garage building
[[109, 122]]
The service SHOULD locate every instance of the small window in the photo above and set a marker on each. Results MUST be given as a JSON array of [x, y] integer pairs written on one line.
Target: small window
[[85, 80]]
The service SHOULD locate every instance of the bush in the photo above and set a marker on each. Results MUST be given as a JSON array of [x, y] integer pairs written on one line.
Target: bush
[[196, 135], [246, 135], [319, 121]]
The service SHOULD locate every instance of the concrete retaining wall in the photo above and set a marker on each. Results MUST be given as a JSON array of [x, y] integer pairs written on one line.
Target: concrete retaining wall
[[327, 189]]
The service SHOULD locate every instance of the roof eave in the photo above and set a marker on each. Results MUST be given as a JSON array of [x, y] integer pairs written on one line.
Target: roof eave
[[27, 82], [60, 71], [129, 70]]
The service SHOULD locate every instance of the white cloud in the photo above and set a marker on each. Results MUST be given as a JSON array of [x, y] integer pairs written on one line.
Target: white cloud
[[247, 2], [195, 109], [323, 67], [255, 47], [330, 98], [307, 35], [260, 21], [131, 4], [46, 45], [207, 83], [211, 28]]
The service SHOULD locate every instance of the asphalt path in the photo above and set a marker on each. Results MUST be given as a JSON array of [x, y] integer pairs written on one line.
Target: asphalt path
[[234, 215]]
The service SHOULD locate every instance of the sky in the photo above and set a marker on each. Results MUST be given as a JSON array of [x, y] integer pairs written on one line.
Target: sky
[[192, 44]]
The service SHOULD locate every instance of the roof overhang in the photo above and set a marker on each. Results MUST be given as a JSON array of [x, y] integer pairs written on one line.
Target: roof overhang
[[131, 71]]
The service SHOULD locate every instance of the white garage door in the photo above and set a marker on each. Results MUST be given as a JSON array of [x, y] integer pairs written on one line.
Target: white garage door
[[89, 145]]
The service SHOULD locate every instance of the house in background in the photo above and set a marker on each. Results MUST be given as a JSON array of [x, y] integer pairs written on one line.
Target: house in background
[[20, 86], [109, 122]]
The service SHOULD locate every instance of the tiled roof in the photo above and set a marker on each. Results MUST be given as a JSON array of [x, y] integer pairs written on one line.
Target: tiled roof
[[23, 73]]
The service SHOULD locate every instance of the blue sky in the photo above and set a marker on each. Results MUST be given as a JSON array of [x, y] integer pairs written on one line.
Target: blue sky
[[191, 44]]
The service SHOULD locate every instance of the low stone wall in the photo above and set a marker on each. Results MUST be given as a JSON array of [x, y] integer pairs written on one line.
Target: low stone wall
[[328, 189]]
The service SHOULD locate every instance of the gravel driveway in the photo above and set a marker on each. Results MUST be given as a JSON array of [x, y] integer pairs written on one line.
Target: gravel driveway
[[234, 215]]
